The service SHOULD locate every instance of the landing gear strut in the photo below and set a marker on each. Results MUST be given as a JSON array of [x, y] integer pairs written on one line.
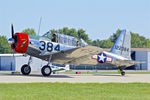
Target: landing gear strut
[[26, 69], [46, 70]]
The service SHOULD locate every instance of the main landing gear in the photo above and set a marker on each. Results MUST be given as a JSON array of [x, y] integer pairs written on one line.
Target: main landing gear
[[26, 69], [46, 70]]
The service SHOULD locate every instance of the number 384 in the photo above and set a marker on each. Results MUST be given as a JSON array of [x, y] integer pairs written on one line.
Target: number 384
[[49, 46]]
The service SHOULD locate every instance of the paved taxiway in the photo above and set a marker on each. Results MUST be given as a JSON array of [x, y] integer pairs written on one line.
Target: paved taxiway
[[71, 78]]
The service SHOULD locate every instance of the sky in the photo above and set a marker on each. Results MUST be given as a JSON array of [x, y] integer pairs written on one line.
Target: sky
[[99, 18]]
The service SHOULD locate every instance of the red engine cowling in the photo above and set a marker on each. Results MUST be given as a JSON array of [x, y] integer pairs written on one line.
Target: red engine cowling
[[21, 42]]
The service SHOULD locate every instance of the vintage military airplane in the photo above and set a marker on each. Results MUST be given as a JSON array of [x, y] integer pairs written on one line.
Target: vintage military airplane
[[64, 49]]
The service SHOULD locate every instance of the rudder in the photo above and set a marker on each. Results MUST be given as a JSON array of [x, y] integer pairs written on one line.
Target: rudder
[[122, 45]]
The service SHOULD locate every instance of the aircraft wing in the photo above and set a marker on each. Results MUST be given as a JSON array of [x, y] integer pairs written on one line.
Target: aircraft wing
[[83, 56], [77, 56]]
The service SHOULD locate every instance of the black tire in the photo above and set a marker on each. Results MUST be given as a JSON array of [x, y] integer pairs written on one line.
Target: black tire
[[123, 73], [46, 70], [25, 69]]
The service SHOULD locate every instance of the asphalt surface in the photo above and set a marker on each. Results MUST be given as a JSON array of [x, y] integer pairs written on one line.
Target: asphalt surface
[[73, 78]]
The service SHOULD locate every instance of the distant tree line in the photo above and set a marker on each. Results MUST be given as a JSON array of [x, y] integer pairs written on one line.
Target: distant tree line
[[4, 46], [80, 33], [29, 31], [137, 41]]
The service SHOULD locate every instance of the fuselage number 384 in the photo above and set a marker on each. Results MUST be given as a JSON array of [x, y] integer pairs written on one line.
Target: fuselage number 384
[[49, 46]]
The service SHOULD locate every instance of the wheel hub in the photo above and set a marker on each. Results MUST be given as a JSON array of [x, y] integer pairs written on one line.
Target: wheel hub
[[26, 69], [47, 70]]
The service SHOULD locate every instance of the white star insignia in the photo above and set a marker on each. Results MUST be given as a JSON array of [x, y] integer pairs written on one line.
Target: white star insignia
[[102, 57]]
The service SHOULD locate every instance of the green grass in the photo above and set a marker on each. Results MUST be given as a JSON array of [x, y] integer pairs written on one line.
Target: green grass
[[68, 91]]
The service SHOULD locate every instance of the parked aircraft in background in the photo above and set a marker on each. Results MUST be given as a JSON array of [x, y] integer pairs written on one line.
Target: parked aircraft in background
[[64, 49]]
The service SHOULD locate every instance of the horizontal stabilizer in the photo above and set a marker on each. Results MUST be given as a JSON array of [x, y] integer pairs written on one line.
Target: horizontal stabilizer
[[126, 63]]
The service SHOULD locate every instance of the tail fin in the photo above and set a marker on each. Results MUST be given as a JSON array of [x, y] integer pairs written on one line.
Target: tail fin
[[122, 45]]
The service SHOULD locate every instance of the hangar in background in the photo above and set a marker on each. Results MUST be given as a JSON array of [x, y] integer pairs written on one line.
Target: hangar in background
[[142, 55], [8, 62]]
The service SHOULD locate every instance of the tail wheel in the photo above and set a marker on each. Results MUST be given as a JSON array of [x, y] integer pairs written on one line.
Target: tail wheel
[[25, 69], [123, 73], [46, 70]]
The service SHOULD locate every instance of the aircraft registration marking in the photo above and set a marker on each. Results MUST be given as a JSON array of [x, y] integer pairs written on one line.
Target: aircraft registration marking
[[49, 46]]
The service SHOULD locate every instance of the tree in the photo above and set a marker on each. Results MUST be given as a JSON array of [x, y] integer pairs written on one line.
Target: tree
[[137, 41], [115, 35], [106, 43], [53, 31], [103, 43], [73, 32], [96, 43], [4, 46], [83, 35], [30, 31]]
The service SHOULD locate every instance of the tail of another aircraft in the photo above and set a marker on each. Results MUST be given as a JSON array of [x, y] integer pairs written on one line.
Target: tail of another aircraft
[[122, 45]]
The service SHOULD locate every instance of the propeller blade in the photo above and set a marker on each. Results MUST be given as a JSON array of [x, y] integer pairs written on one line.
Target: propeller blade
[[12, 31], [12, 51], [13, 56]]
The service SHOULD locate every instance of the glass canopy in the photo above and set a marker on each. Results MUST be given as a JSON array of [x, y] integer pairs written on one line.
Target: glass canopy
[[64, 39]]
